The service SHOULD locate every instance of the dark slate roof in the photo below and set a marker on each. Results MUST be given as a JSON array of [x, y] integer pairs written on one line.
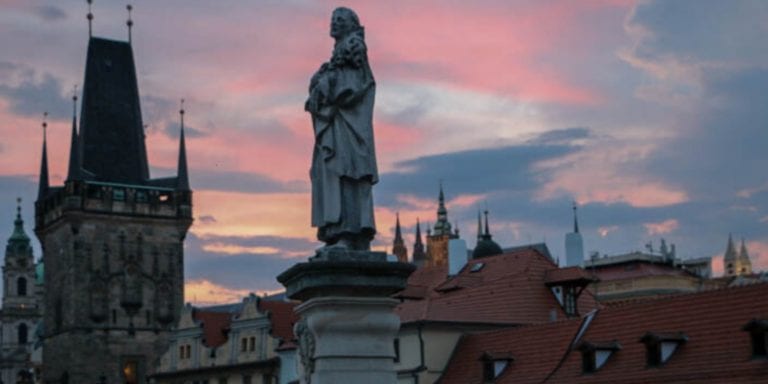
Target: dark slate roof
[[111, 130]]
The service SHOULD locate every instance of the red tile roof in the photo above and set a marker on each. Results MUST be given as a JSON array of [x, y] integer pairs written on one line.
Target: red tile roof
[[282, 317], [508, 289], [215, 326], [717, 349]]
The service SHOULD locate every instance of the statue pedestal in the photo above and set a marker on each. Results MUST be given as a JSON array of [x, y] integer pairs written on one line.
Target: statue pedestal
[[348, 314]]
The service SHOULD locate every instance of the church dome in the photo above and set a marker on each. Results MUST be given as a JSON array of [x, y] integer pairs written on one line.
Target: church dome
[[486, 247]]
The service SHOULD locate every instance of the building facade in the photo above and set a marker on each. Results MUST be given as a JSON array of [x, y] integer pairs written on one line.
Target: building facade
[[22, 310], [250, 342], [112, 237]]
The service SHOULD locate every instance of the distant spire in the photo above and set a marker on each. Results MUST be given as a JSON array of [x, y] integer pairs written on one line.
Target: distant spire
[[90, 19], [730, 251], [456, 228], [442, 225], [73, 172], [42, 190], [181, 174], [419, 256], [743, 252], [418, 232], [398, 232], [479, 226], [129, 23], [487, 232], [575, 219]]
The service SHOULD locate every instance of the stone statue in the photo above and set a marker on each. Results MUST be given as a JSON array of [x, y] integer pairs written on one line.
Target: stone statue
[[341, 96]]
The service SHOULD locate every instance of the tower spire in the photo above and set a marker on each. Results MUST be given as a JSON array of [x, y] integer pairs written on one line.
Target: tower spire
[[18, 234], [419, 256], [479, 226], [90, 19], [73, 172], [42, 188], [487, 232], [182, 183], [575, 218], [398, 232], [129, 23], [398, 245]]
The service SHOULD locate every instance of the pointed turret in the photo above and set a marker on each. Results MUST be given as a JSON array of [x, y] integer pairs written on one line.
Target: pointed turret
[[730, 250], [18, 236], [42, 185], [479, 226], [182, 183], [74, 148], [398, 245], [419, 255], [743, 251]]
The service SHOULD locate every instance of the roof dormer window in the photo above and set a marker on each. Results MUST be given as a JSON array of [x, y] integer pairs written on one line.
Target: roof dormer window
[[494, 365], [758, 332], [595, 355], [659, 347]]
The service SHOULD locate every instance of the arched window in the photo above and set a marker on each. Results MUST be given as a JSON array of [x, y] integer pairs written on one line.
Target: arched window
[[21, 286], [23, 333]]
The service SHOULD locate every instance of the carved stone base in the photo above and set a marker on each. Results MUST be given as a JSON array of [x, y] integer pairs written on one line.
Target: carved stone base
[[348, 315]]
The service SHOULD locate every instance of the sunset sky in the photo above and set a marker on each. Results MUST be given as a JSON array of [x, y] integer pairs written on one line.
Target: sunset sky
[[652, 115]]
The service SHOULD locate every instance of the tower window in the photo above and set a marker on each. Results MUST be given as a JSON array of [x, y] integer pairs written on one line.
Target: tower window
[[23, 333], [21, 286], [397, 350], [758, 332]]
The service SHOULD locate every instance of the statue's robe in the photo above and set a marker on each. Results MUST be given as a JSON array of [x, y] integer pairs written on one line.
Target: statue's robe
[[343, 169]]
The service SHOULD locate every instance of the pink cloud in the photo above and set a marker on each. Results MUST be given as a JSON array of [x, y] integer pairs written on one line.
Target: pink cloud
[[662, 227]]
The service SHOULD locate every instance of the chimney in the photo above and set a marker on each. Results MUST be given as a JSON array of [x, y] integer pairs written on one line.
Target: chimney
[[457, 256]]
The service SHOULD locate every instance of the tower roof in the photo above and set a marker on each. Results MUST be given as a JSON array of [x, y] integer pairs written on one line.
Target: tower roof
[[73, 172], [442, 225], [18, 226], [42, 184], [182, 177], [485, 245], [111, 131], [398, 232], [743, 251]]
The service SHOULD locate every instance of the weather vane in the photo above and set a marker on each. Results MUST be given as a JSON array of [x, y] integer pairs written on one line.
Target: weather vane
[[90, 18], [45, 123], [129, 23]]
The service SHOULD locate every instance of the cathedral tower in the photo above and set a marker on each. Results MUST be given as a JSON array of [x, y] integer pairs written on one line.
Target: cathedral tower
[[112, 237], [437, 241], [574, 244], [736, 263]]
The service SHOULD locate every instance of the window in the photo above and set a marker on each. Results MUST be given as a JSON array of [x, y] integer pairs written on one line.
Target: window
[[181, 352], [23, 333], [758, 334], [188, 349], [130, 372], [252, 344], [246, 379], [595, 355], [21, 286], [477, 267], [118, 194], [494, 365], [243, 344], [397, 350], [141, 196], [659, 347]]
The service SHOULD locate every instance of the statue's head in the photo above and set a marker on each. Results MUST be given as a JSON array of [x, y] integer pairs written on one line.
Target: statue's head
[[343, 21]]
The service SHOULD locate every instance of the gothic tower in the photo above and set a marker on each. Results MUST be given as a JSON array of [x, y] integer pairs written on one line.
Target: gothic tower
[[437, 241], [112, 237], [419, 256], [21, 305], [736, 264], [398, 245]]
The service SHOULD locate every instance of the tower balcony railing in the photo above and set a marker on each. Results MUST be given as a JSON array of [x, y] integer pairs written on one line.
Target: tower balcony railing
[[113, 198]]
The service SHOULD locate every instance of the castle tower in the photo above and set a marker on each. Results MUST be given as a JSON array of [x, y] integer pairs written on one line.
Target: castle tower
[[437, 241], [21, 305], [398, 245], [112, 237], [736, 263], [574, 244]]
